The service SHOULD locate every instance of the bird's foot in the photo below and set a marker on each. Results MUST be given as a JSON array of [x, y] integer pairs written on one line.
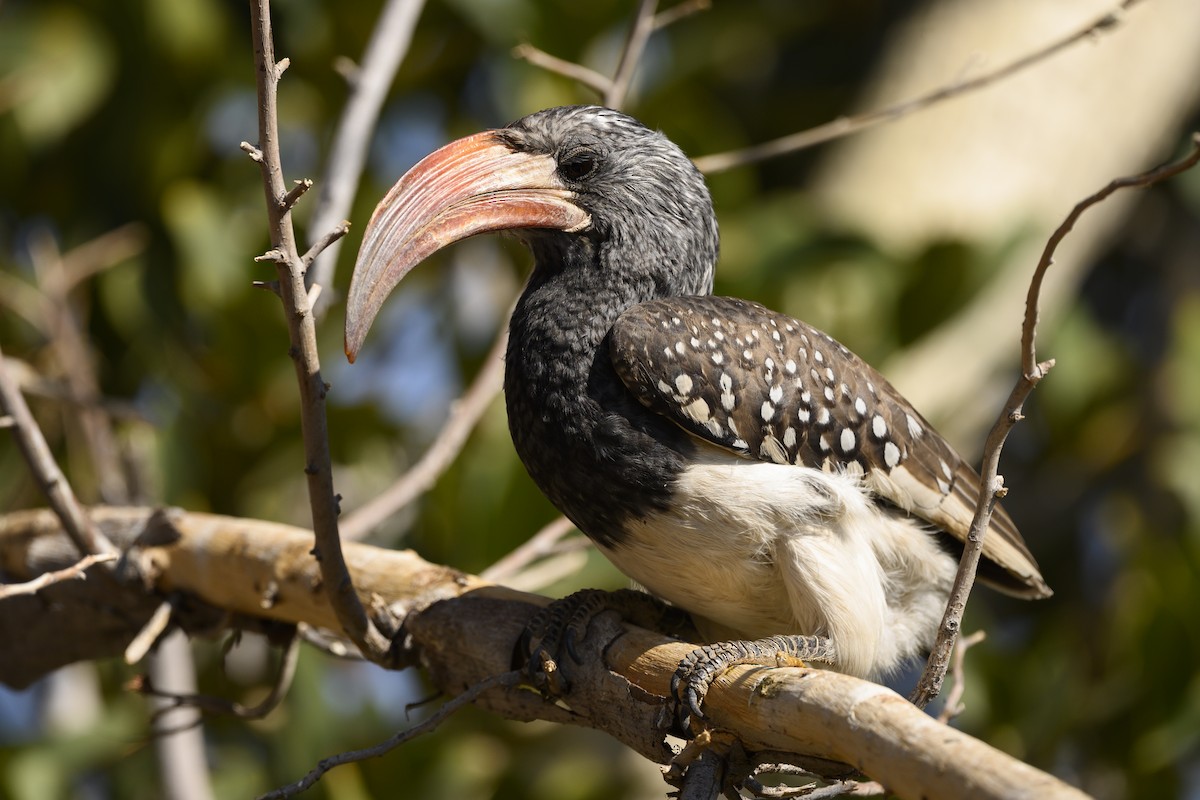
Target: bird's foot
[[561, 626], [696, 673]]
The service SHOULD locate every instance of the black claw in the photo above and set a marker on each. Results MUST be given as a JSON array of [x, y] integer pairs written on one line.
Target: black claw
[[556, 633], [696, 673]]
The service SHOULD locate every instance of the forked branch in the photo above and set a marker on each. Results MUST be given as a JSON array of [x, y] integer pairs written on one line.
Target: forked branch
[[1032, 372]]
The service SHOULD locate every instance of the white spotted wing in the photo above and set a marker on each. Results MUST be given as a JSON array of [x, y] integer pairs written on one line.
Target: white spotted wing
[[772, 388]]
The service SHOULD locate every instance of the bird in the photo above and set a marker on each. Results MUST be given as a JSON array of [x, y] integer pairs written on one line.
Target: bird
[[735, 462]]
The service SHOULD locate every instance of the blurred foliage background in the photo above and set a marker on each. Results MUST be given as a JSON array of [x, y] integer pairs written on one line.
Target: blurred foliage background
[[125, 116]]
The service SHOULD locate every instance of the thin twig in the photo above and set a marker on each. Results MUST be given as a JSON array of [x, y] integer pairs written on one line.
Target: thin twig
[[845, 126], [328, 642], [601, 84], [150, 633], [30, 382], [50, 479], [221, 705], [105, 251], [680, 11], [324, 243], [295, 193], [614, 90], [1033, 371], [535, 547], [954, 705], [302, 336], [464, 415], [507, 679], [351, 138], [631, 54], [77, 571], [77, 363]]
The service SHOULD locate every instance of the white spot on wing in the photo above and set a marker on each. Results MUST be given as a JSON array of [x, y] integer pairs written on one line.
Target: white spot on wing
[[879, 428], [697, 410], [776, 394], [914, 428], [683, 382], [847, 440], [891, 454], [768, 411]]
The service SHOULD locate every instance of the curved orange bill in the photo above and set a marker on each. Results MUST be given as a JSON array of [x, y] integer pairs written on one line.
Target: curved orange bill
[[474, 185]]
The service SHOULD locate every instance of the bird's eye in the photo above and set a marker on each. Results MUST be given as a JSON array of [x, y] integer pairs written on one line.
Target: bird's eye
[[577, 165]]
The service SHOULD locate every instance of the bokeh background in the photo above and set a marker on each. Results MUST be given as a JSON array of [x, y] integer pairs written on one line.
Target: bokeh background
[[912, 244]]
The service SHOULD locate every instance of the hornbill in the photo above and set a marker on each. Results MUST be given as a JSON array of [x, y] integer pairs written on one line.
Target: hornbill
[[736, 462]]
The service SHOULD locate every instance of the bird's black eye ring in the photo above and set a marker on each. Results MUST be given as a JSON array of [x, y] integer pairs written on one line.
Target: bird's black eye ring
[[577, 165]]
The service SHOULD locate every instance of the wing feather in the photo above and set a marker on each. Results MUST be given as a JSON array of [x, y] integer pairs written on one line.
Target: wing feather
[[769, 387]]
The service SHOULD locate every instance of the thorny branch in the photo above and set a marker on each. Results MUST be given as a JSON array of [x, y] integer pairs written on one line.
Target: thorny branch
[[303, 349], [845, 126], [1032, 373]]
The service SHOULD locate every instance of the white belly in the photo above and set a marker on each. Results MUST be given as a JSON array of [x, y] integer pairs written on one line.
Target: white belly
[[756, 549]]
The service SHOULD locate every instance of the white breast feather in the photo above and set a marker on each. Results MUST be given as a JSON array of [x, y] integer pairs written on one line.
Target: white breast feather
[[755, 549]]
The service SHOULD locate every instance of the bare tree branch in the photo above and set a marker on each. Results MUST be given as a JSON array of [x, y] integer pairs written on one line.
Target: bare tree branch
[[537, 546], [1032, 373], [507, 680], [303, 351], [150, 633], [464, 415], [105, 251], [601, 84], [77, 571], [369, 84], [680, 11], [954, 705], [613, 91], [77, 363], [463, 631], [631, 54], [220, 705], [45, 470], [845, 126]]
